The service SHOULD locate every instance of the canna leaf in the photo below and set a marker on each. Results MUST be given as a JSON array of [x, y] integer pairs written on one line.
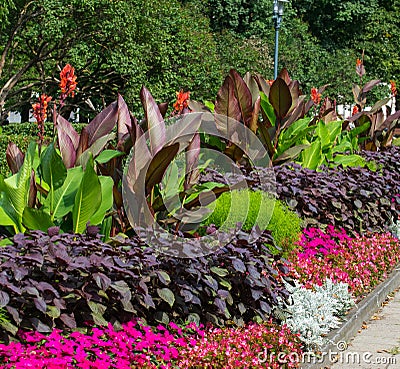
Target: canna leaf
[[322, 134], [192, 153], [102, 124], [52, 168], [14, 157], [155, 121], [36, 219], [227, 110], [312, 156], [280, 98], [253, 87], [106, 200], [106, 155], [64, 197], [159, 164], [68, 141], [94, 149], [17, 187], [268, 109], [371, 84], [123, 120], [87, 199], [291, 154], [243, 96]]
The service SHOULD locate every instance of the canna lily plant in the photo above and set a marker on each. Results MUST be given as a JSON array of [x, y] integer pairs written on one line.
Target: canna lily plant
[[279, 103], [381, 123]]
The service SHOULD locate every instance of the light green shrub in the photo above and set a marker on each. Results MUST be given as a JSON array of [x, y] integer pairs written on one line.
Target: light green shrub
[[285, 226], [241, 206], [252, 208]]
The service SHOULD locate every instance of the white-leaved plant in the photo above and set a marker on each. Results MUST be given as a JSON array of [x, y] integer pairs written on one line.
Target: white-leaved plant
[[395, 228], [314, 312]]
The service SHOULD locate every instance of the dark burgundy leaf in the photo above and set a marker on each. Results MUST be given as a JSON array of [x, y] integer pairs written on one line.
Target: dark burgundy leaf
[[68, 320], [4, 298], [239, 265], [220, 304], [40, 304]]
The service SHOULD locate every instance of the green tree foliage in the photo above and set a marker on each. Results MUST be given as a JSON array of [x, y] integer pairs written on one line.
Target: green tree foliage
[[114, 45], [356, 26]]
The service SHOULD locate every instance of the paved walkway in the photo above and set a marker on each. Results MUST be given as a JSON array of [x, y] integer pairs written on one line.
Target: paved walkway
[[377, 345]]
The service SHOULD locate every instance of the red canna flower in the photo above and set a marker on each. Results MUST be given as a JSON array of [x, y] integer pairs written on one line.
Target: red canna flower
[[358, 62], [68, 82], [315, 96], [355, 110], [40, 113], [393, 88], [182, 101], [270, 81]]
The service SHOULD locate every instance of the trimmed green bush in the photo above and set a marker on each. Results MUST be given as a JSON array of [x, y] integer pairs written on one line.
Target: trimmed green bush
[[256, 208], [244, 206], [285, 226]]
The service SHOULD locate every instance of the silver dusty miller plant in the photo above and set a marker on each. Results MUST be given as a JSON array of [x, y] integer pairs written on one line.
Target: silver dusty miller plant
[[314, 312], [395, 228]]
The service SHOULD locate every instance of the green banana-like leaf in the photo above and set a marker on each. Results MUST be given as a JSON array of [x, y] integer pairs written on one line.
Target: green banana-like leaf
[[322, 133], [106, 155], [334, 128], [312, 156], [291, 153], [358, 130], [53, 172], [293, 135], [16, 187], [64, 197], [349, 160], [267, 108], [8, 216], [87, 199], [106, 200], [36, 219]]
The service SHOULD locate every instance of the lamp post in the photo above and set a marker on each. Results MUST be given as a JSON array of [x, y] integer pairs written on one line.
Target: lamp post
[[277, 17]]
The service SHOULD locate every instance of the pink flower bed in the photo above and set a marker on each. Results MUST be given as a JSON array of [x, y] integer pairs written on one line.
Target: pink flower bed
[[361, 262], [254, 346], [137, 346]]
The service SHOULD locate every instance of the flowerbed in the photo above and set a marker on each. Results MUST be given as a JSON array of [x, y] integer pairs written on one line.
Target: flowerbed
[[361, 262], [139, 346]]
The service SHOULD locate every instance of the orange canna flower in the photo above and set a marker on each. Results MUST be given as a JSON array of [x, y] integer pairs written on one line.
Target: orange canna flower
[[360, 69], [315, 96], [40, 108], [40, 113], [68, 82], [393, 88], [355, 110], [182, 101], [270, 81]]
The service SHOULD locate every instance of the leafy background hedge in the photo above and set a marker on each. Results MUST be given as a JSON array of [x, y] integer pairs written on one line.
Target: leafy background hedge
[[22, 134]]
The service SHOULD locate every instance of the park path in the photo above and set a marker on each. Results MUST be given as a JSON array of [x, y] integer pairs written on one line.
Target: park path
[[377, 345]]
